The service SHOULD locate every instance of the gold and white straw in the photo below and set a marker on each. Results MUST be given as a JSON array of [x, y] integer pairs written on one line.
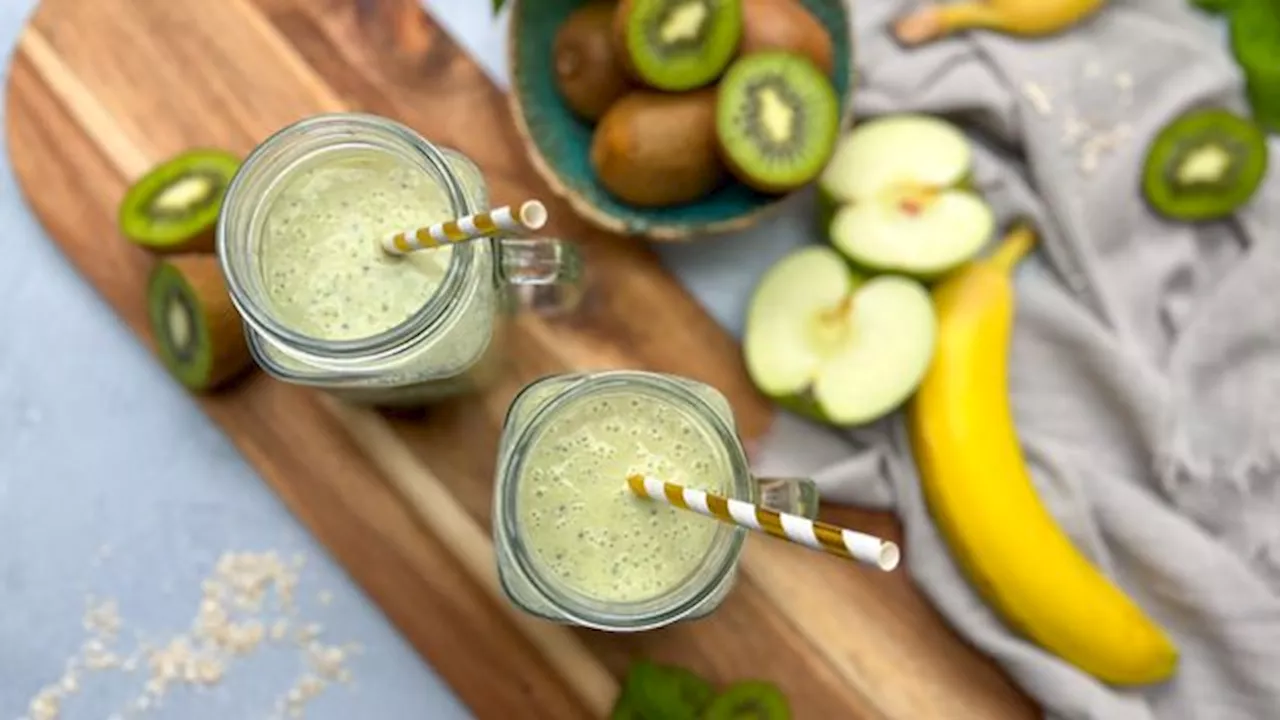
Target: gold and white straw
[[810, 533], [526, 217]]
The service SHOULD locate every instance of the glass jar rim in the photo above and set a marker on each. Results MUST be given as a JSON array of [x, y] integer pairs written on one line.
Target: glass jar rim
[[270, 158], [724, 551]]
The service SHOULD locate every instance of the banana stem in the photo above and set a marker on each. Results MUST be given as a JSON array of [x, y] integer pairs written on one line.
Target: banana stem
[[1016, 244], [934, 21]]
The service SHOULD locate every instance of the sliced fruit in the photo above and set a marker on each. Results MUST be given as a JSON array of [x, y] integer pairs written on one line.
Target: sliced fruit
[[677, 45], [896, 190], [1204, 164], [749, 700], [1255, 42], [828, 344], [174, 207], [777, 120], [589, 73], [785, 25], [658, 149], [670, 693], [199, 333]]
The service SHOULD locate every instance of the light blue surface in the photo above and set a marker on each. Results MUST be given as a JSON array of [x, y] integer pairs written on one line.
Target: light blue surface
[[113, 483]]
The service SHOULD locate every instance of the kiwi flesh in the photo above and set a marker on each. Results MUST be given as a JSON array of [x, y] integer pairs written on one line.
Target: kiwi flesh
[[1204, 164], [678, 45], [197, 329], [777, 120], [749, 700], [667, 692], [174, 207], [785, 25], [656, 149], [588, 71]]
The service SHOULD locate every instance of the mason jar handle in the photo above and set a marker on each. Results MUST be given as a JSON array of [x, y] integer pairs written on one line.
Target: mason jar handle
[[546, 274], [797, 496]]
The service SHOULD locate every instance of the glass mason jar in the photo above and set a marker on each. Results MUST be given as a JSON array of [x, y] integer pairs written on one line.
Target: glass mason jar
[[535, 409], [453, 343]]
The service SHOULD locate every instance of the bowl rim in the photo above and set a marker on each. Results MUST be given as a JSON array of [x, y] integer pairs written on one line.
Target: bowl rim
[[659, 231]]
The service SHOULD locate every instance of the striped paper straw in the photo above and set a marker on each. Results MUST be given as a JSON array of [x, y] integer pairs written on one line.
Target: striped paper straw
[[810, 533], [528, 216]]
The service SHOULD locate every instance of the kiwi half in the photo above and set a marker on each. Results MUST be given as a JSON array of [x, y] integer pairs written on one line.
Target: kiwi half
[[670, 693], [1204, 164], [199, 334], [174, 207], [678, 45], [589, 74], [777, 120], [749, 700]]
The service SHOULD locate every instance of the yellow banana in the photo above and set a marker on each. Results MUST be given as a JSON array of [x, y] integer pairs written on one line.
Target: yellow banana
[[1014, 17], [980, 493]]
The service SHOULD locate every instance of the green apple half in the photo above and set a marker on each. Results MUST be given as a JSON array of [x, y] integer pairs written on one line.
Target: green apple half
[[899, 187], [828, 344]]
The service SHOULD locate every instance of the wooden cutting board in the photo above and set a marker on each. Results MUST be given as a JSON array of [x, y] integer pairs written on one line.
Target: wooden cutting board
[[102, 89]]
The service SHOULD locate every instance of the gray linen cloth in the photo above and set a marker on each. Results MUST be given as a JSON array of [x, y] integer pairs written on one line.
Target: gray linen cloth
[[1145, 368]]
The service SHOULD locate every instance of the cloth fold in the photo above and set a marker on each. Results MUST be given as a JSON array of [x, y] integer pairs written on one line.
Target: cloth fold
[[1145, 367]]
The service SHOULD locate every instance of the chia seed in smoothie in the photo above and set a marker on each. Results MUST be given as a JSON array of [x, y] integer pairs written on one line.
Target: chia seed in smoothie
[[322, 266], [581, 522]]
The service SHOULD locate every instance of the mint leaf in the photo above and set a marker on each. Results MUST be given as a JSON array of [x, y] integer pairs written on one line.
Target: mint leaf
[[497, 6]]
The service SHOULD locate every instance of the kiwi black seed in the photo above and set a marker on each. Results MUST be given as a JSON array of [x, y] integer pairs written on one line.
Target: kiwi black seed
[[663, 691], [589, 73], [678, 45], [749, 700], [1204, 164], [197, 329], [777, 120], [174, 207]]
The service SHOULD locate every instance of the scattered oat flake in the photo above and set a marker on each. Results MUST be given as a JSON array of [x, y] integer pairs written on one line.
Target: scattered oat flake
[[1038, 97], [1092, 69], [47, 705], [1124, 81], [325, 597], [229, 622]]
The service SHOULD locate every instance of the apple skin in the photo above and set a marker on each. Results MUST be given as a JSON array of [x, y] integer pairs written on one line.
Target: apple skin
[[805, 406]]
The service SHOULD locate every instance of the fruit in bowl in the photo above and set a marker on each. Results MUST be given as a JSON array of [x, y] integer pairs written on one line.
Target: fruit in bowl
[[675, 118]]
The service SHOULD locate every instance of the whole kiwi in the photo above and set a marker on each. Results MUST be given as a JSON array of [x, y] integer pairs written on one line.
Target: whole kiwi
[[654, 149], [785, 25], [589, 72]]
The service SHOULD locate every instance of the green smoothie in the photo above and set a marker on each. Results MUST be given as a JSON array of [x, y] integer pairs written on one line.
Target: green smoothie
[[321, 264], [580, 521]]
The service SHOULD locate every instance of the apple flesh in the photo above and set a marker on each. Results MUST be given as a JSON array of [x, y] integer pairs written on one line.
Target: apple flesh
[[843, 349], [896, 190]]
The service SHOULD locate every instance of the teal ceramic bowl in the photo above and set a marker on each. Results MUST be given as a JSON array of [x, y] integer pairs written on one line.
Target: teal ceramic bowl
[[559, 144]]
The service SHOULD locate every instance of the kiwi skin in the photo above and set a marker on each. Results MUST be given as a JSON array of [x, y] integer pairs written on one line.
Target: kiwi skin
[[223, 327], [785, 25], [655, 149], [588, 66]]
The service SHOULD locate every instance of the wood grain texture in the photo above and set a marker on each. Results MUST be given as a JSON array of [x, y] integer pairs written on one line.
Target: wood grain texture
[[100, 89]]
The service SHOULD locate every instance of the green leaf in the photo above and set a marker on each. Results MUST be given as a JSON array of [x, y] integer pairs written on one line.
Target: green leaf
[[497, 6], [1215, 6]]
